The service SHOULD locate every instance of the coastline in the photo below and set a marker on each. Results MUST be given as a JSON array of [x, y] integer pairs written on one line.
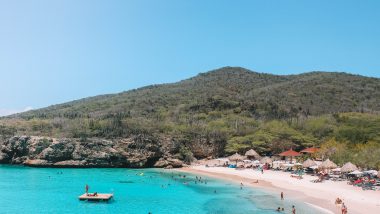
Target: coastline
[[318, 195]]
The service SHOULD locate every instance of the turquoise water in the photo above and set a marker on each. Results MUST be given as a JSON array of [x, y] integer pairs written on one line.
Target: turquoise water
[[46, 190]]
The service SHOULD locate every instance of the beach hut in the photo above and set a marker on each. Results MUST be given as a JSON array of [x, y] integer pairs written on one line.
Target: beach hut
[[348, 167], [308, 163], [236, 157], [290, 153], [328, 164], [252, 154], [311, 150], [265, 160]]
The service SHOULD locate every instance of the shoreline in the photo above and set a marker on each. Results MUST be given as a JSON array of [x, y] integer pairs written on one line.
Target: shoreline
[[320, 196]]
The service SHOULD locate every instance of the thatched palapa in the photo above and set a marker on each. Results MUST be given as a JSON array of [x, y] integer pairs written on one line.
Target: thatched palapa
[[236, 157], [252, 153], [348, 167], [328, 164], [308, 163]]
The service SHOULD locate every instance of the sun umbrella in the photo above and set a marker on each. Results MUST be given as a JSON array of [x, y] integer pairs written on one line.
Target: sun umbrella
[[308, 163], [252, 153], [310, 150], [349, 167], [236, 157], [328, 164], [266, 160], [289, 153]]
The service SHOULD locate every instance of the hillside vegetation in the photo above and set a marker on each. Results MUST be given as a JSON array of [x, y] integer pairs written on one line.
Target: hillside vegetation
[[232, 109]]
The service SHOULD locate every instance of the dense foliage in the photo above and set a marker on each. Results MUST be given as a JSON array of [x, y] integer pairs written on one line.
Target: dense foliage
[[239, 108]]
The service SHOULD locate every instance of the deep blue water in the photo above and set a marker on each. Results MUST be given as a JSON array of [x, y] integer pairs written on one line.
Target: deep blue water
[[46, 190]]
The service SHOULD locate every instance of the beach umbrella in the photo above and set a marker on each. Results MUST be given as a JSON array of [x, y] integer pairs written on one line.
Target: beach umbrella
[[328, 164], [266, 160], [290, 153], [236, 157], [308, 163], [349, 167], [310, 150], [252, 153]]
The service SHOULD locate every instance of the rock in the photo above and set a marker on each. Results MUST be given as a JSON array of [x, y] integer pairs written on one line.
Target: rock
[[70, 163], [161, 163], [175, 163], [58, 151], [37, 162], [4, 158], [139, 151]]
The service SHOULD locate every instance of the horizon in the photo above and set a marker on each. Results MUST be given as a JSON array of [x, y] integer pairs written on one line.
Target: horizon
[[56, 52]]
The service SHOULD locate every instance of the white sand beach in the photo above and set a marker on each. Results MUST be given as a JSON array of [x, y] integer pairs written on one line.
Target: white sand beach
[[321, 195]]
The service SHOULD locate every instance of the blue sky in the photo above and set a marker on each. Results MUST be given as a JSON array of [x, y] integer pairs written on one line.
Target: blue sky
[[56, 51]]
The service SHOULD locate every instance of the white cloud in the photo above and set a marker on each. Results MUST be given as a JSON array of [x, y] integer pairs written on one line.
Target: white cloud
[[5, 112]]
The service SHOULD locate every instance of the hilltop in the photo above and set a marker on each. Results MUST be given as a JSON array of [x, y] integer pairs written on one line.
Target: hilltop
[[261, 95]]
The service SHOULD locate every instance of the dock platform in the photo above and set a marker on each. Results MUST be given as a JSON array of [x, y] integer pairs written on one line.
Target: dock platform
[[98, 197]]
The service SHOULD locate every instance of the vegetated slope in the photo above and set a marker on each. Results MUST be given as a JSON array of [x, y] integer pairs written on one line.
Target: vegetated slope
[[263, 96], [227, 110]]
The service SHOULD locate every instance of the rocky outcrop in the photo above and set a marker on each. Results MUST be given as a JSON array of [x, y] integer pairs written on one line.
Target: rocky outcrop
[[139, 151], [169, 163], [134, 152]]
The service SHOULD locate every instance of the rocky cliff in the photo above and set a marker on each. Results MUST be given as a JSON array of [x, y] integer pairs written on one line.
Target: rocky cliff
[[135, 152]]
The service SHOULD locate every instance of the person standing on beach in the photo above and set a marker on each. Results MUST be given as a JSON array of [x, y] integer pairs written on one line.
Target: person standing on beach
[[282, 196], [86, 188], [293, 210]]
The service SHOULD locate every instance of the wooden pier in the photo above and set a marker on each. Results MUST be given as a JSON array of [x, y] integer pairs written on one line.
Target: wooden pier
[[98, 197]]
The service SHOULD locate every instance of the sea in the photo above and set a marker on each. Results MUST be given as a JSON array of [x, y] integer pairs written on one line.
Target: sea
[[156, 191]]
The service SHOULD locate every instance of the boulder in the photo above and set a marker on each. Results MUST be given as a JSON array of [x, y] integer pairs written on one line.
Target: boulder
[[175, 162], [161, 163], [172, 162]]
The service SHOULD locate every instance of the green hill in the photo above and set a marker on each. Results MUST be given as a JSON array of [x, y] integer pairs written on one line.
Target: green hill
[[230, 108], [263, 96]]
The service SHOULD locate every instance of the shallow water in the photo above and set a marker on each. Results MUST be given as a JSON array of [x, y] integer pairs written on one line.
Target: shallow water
[[46, 190]]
